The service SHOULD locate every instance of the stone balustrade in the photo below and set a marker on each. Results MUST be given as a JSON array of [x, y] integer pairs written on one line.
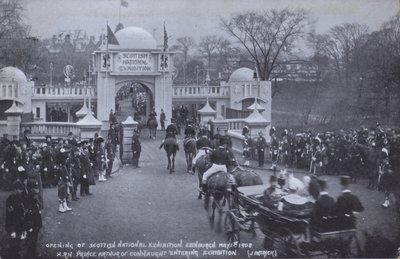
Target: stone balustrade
[[46, 91], [200, 91], [55, 129]]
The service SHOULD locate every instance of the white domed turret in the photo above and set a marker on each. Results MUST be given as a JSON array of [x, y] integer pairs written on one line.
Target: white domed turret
[[12, 74], [134, 38], [243, 74], [14, 85]]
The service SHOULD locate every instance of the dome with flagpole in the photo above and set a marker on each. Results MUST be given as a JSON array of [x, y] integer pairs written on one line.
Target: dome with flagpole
[[134, 38]]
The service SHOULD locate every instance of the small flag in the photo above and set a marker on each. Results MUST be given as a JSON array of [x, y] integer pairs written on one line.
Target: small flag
[[124, 3], [111, 39], [165, 39]]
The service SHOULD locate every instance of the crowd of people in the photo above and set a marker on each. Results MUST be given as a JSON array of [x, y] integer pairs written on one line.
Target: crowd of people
[[68, 164]]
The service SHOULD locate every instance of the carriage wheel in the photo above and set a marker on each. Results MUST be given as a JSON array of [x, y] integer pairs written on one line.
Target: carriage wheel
[[232, 231], [286, 245], [350, 248]]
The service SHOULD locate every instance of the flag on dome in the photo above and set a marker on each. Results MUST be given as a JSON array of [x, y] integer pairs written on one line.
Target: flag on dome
[[111, 39], [124, 3]]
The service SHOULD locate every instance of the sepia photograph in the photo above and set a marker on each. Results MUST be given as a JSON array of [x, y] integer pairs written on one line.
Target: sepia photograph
[[199, 129]]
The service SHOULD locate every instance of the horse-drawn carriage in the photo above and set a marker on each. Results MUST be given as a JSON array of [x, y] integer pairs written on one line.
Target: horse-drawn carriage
[[288, 232]]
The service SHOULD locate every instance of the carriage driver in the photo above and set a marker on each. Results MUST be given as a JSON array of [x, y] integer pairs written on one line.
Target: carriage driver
[[220, 159], [170, 132]]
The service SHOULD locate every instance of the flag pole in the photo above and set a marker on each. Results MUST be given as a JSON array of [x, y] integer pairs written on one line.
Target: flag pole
[[119, 14]]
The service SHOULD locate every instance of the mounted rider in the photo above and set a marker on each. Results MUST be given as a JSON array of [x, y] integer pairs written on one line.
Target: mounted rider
[[203, 145], [190, 132], [170, 132], [220, 159]]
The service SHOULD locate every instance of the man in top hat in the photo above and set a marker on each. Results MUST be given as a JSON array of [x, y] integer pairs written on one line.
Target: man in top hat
[[323, 211], [347, 203], [14, 224], [261, 144], [33, 217]]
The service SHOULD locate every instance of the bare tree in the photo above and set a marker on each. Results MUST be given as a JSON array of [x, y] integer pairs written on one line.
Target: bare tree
[[185, 44], [266, 35], [207, 47]]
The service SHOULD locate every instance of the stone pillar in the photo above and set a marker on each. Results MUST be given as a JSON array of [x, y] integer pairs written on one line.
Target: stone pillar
[[88, 126], [13, 121], [128, 126]]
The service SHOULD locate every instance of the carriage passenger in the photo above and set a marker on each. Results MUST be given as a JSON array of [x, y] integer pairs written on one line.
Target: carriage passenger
[[273, 194], [220, 159]]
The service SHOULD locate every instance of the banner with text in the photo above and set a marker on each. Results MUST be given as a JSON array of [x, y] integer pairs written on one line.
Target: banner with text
[[134, 62]]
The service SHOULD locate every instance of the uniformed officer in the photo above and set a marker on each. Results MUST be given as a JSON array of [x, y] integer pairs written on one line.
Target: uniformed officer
[[162, 119], [347, 203], [202, 145], [170, 132], [101, 156], [261, 145], [110, 150], [136, 150], [33, 217], [15, 214], [87, 170], [190, 131], [220, 159], [64, 180], [75, 169]]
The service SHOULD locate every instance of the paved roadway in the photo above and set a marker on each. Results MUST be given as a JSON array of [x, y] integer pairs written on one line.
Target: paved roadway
[[149, 205]]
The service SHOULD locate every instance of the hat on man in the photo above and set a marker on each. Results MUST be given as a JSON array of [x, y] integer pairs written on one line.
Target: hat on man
[[18, 185], [345, 180], [323, 183], [32, 184]]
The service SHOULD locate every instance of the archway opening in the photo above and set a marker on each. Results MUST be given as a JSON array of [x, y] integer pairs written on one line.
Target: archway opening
[[133, 99]]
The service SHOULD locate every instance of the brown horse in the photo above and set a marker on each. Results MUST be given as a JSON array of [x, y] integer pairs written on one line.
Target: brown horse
[[171, 147], [152, 124], [189, 145]]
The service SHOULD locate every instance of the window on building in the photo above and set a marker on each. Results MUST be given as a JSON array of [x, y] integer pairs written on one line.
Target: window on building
[[16, 91], [4, 91], [10, 91], [37, 112]]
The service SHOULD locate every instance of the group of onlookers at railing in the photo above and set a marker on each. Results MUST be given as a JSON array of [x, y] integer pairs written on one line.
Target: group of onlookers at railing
[[370, 152], [65, 163]]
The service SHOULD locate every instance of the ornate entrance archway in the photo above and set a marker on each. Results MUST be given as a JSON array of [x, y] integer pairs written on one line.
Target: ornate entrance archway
[[137, 59], [133, 99]]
